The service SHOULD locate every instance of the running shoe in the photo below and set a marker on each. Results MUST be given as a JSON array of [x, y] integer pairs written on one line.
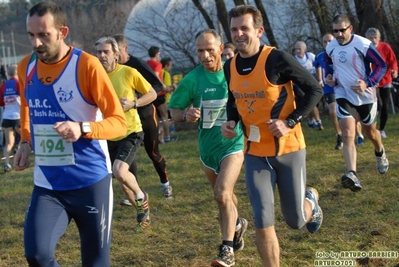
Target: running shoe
[[7, 167], [225, 257], [383, 134], [318, 126], [143, 209], [311, 124], [239, 234], [382, 163], [317, 214], [359, 140], [171, 139], [167, 191], [339, 143], [125, 202], [350, 181]]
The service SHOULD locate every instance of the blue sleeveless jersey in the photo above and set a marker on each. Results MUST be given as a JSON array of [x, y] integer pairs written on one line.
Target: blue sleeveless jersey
[[87, 160]]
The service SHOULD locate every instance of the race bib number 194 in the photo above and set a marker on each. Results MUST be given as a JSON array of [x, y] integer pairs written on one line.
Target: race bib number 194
[[50, 148]]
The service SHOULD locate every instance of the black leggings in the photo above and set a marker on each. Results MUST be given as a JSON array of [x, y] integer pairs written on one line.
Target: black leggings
[[50, 212], [149, 123], [383, 105]]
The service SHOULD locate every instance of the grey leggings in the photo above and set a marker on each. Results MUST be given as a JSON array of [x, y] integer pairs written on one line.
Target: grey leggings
[[289, 173]]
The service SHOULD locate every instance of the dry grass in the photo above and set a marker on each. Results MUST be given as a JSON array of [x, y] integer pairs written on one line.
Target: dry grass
[[185, 232]]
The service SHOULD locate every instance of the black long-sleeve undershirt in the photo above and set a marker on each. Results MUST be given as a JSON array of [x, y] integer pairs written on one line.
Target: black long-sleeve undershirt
[[280, 68]]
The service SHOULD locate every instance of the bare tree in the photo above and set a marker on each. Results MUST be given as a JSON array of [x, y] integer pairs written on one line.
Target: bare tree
[[208, 20], [173, 24], [321, 13], [172, 27], [266, 24], [89, 23], [369, 13], [223, 18], [390, 25], [239, 2]]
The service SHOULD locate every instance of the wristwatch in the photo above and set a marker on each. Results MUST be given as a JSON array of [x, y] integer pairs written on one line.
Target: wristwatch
[[291, 123], [85, 127]]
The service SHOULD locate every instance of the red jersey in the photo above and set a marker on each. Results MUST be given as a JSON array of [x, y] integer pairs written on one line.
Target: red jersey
[[389, 57]]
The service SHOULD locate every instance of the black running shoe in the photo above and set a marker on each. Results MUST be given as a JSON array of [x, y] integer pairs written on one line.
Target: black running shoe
[[350, 181]]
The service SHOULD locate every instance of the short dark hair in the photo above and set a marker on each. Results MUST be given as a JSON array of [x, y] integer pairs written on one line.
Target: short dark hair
[[165, 61], [120, 39], [242, 10], [153, 50], [342, 18], [45, 7]]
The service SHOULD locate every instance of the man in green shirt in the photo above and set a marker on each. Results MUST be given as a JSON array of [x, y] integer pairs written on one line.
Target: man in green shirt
[[201, 97]]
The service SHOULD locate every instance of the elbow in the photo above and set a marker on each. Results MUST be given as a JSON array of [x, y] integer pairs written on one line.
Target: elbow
[[123, 128], [147, 98], [153, 95]]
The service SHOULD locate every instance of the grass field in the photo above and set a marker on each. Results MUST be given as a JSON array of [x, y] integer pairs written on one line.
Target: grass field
[[185, 232]]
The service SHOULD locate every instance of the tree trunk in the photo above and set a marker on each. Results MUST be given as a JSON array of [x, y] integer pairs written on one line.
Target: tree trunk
[[223, 18], [369, 14], [239, 2], [266, 24], [203, 12], [320, 11], [353, 18]]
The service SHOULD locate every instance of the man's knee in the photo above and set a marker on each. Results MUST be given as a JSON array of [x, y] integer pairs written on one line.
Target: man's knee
[[156, 158], [348, 137], [120, 171], [371, 132], [222, 196]]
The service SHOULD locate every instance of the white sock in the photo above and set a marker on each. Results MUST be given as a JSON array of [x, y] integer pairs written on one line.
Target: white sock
[[165, 184], [139, 195]]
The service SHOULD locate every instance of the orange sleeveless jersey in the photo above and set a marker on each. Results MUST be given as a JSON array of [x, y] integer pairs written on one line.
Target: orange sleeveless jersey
[[257, 102]]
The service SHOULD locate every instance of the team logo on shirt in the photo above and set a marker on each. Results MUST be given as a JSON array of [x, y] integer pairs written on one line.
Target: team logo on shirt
[[10, 99], [249, 105], [342, 57], [64, 96], [208, 90]]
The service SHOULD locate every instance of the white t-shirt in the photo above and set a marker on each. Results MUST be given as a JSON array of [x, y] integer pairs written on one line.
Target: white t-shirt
[[351, 62], [307, 62]]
